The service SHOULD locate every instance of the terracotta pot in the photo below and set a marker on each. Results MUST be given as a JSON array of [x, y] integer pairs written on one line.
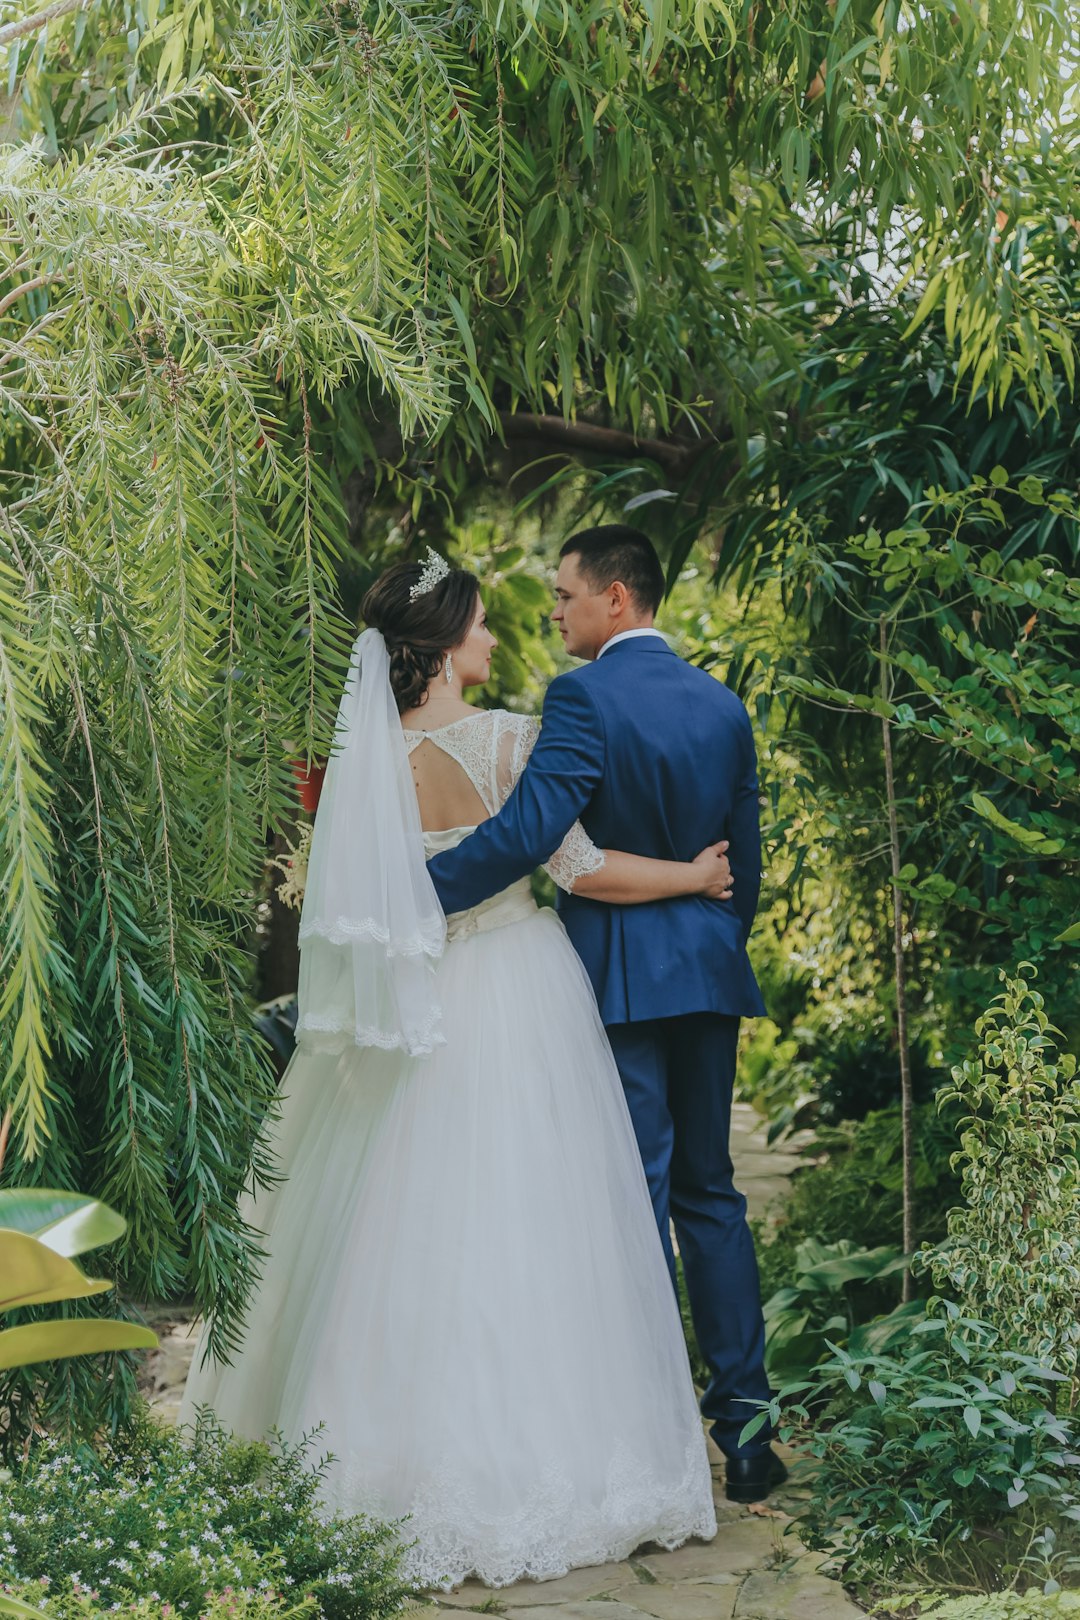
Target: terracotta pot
[[309, 781]]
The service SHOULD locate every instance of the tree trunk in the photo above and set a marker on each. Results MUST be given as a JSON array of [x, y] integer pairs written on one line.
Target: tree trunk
[[901, 976]]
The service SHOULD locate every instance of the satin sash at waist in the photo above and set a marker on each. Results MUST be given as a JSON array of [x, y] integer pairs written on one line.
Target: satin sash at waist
[[514, 904], [511, 905]]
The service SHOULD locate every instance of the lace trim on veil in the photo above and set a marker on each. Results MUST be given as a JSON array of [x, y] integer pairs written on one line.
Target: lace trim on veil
[[420, 1042], [343, 930]]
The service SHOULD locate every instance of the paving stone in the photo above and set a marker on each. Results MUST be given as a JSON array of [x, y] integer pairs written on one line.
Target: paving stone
[[706, 1601], [164, 1370], [789, 1595], [742, 1544], [587, 1609], [580, 1584], [469, 1595], [809, 1563]]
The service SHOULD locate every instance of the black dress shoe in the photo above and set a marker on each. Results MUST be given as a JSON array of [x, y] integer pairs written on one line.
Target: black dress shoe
[[750, 1479]]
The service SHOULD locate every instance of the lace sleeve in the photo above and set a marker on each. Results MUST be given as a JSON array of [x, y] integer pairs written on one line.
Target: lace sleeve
[[575, 858], [577, 855]]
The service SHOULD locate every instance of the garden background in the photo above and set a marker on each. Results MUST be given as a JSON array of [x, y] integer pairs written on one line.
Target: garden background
[[290, 290]]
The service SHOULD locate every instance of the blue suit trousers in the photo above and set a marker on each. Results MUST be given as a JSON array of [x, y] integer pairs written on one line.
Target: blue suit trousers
[[678, 1075]]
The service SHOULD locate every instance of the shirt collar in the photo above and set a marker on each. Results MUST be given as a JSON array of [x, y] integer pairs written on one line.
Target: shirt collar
[[628, 635]]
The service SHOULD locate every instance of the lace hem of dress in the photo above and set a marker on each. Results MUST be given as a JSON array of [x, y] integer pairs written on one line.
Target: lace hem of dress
[[338, 1036], [346, 930], [552, 1531]]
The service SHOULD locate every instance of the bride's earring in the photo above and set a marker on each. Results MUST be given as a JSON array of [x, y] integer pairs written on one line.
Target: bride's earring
[[449, 667]]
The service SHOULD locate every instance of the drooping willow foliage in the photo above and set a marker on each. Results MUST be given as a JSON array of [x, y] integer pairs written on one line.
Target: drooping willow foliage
[[220, 226]]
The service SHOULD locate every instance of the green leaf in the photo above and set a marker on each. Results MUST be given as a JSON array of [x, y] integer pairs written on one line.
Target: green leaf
[[462, 322], [57, 1341], [33, 1274], [25, 1611], [67, 1223], [1030, 837], [926, 303], [973, 1419]]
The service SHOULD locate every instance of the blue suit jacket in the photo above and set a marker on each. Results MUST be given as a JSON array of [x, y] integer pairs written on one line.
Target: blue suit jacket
[[655, 757]]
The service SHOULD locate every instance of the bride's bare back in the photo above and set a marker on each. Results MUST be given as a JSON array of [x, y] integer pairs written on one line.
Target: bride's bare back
[[463, 769], [446, 796]]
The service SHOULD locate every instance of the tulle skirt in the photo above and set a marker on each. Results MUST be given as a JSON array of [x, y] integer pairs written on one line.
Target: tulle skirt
[[465, 1286]]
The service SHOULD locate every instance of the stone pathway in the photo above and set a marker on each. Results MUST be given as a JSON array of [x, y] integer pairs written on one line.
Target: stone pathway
[[755, 1569]]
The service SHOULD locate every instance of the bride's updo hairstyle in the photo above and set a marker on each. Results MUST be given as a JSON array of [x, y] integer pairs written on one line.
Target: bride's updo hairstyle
[[419, 634]]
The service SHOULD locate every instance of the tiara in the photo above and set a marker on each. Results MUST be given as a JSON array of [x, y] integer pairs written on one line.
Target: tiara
[[435, 571]]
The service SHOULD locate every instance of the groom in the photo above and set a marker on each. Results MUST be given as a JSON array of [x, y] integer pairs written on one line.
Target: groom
[[655, 757]]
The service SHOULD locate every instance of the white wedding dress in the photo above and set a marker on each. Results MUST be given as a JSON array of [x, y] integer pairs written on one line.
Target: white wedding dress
[[465, 1285]]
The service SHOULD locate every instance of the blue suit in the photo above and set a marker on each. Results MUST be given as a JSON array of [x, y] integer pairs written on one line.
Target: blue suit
[[657, 758]]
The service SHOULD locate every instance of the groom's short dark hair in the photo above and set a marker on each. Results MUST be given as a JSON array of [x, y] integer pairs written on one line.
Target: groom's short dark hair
[[615, 551]]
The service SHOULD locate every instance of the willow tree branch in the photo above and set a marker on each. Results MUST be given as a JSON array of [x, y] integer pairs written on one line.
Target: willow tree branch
[[30, 25], [674, 455]]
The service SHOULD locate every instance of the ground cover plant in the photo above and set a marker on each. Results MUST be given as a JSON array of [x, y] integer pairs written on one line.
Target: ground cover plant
[[943, 1464], [168, 1518], [231, 1604], [981, 1606]]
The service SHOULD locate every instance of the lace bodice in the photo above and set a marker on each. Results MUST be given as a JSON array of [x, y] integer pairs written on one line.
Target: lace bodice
[[492, 747]]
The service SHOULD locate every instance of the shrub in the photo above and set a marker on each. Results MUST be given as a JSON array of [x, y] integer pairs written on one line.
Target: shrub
[[77, 1603], [821, 1301], [170, 1519], [981, 1606], [839, 1064], [859, 1073], [855, 1192], [1013, 1247], [943, 1463]]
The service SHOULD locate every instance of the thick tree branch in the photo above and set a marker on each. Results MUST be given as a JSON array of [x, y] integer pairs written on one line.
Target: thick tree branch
[[675, 456], [31, 25], [27, 287]]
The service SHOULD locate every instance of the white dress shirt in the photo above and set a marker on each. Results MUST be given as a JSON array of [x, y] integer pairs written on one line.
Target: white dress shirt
[[625, 635]]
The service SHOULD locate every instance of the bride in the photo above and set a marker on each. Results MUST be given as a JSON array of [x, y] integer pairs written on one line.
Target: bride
[[464, 1282]]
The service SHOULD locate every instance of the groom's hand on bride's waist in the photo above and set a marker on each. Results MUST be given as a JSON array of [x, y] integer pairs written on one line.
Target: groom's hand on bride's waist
[[716, 879]]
